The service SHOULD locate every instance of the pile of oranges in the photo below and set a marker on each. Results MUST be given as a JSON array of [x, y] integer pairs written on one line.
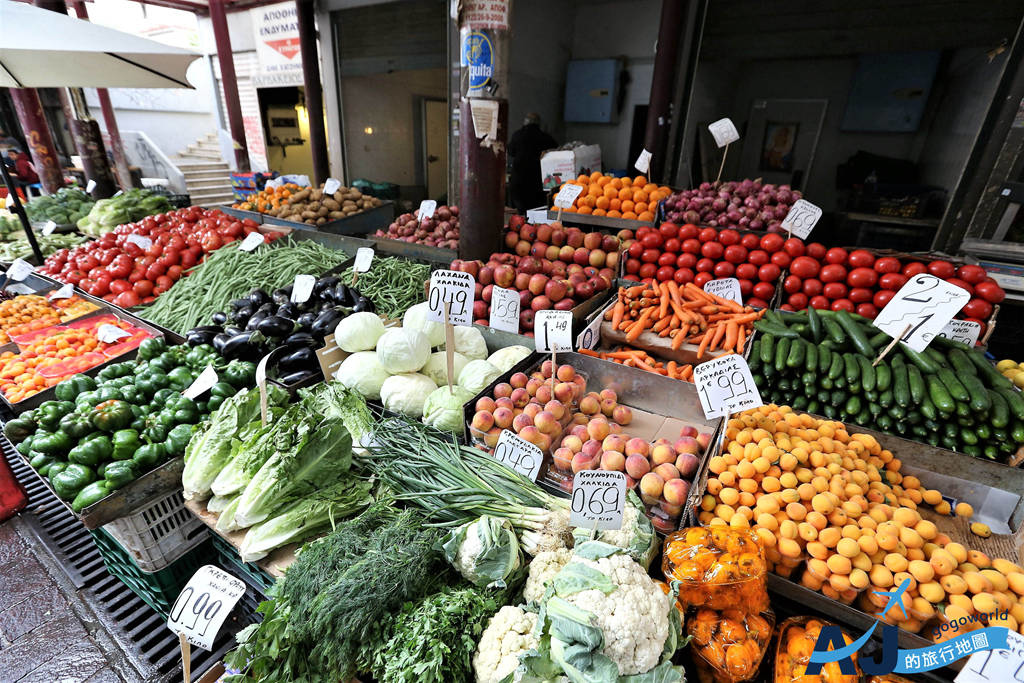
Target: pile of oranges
[[268, 198], [633, 198]]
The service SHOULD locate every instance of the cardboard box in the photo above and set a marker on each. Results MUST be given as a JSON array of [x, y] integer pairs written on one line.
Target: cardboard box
[[560, 165]]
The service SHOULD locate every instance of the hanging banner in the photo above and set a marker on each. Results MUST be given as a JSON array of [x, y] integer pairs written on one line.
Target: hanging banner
[[277, 46]]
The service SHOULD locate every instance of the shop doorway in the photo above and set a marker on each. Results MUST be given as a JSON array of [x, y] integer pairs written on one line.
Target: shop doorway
[[434, 113], [286, 130]]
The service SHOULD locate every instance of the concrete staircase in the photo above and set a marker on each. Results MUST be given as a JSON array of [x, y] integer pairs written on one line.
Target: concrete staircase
[[207, 175]]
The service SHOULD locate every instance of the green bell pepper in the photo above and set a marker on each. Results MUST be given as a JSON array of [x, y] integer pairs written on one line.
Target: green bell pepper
[[119, 473], [200, 356], [19, 429], [151, 348], [131, 394], [75, 425], [92, 451], [55, 469], [125, 442], [40, 460], [73, 479], [25, 446], [73, 386], [148, 384], [111, 416], [183, 410], [49, 415], [161, 396], [116, 370], [155, 433], [181, 378], [178, 438], [223, 390], [239, 374], [56, 443], [87, 398], [149, 456], [214, 403], [101, 469], [91, 494], [109, 393]]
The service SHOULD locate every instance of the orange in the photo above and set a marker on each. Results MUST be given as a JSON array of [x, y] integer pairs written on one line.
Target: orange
[[640, 207], [625, 193], [614, 213], [610, 192], [585, 209], [615, 203], [639, 196], [603, 180], [571, 209], [598, 212], [645, 216], [583, 180], [594, 190], [650, 187], [626, 182], [640, 181], [628, 214], [616, 183], [590, 201], [603, 202], [627, 205], [596, 175]]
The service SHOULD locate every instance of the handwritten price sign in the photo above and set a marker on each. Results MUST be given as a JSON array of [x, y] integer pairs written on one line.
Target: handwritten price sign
[[963, 331], [726, 287], [204, 604], [456, 289], [552, 331], [567, 195], [598, 499], [504, 309], [725, 386], [724, 131], [518, 454], [801, 219], [920, 310]]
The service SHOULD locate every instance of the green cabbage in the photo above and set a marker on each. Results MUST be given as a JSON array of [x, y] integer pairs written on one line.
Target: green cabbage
[[443, 408]]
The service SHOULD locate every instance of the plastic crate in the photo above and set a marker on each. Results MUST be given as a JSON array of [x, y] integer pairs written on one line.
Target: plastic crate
[[231, 561], [159, 533], [158, 589]]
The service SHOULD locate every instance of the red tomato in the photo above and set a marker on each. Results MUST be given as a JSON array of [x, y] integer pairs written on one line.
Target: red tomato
[[683, 275], [792, 284], [798, 300], [648, 256], [673, 245], [143, 288], [804, 267], [735, 253], [769, 272], [781, 259], [843, 305], [835, 290], [118, 286], [816, 250], [155, 271], [960, 283], [164, 282], [942, 269], [787, 307], [235, 229], [723, 269], [833, 272], [127, 299], [729, 237], [688, 231], [88, 262], [705, 265], [647, 270], [712, 250], [764, 290], [892, 281], [882, 297], [666, 259], [819, 302], [174, 272], [664, 274], [707, 234], [746, 271], [137, 274], [772, 242], [812, 287], [632, 266], [636, 249], [867, 310], [211, 242], [651, 240], [971, 273], [758, 257], [750, 241], [746, 287], [700, 279], [977, 308], [668, 230], [691, 246], [757, 303], [887, 264], [914, 268], [861, 258], [990, 292], [862, 277], [686, 260], [860, 295], [794, 247], [836, 255]]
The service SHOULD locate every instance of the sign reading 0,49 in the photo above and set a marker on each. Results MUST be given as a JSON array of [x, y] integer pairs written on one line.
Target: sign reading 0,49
[[455, 288]]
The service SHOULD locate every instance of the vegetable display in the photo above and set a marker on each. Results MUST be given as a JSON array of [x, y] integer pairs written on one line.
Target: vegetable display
[[15, 244], [310, 205], [603, 195], [949, 395], [745, 205], [440, 230], [125, 208], [29, 312], [393, 284], [64, 207]]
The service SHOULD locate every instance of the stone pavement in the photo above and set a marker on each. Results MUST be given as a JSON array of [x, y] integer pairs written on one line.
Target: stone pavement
[[47, 631]]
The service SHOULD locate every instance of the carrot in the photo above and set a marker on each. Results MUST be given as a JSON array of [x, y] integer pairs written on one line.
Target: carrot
[[732, 332], [638, 326], [617, 313], [622, 355], [686, 373], [588, 352], [704, 342], [717, 339], [635, 291], [663, 309], [741, 340]]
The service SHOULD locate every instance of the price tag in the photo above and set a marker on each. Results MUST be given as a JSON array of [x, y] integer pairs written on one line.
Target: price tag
[[331, 186], [19, 270], [141, 241], [302, 288], [65, 292], [552, 331], [204, 604], [801, 219], [504, 309], [518, 454], [590, 337], [725, 386], [49, 227], [643, 162], [204, 382], [724, 131], [963, 331], [457, 289], [251, 241], [427, 208], [920, 309], [537, 216], [598, 499], [118, 193], [18, 288], [108, 334], [364, 257], [727, 288], [567, 195], [996, 666], [261, 384], [90, 186]]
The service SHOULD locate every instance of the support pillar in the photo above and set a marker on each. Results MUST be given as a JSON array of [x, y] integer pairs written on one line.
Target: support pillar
[[659, 116], [306, 12], [37, 133], [225, 56]]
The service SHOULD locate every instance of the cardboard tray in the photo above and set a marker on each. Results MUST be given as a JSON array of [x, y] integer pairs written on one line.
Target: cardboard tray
[[600, 222], [274, 564], [357, 224]]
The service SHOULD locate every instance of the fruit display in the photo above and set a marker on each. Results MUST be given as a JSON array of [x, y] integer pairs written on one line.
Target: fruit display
[[29, 312], [948, 396], [64, 207], [743, 205], [603, 195], [268, 199], [797, 637], [133, 205], [686, 253], [308, 205], [638, 358], [117, 267], [440, 230], [1013, 371], [729, 644], [718, 567], [864, 282]]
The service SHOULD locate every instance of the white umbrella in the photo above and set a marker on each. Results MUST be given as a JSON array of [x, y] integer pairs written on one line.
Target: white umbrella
[[44, 49]]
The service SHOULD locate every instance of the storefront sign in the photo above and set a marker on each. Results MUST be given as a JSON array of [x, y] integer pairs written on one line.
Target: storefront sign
[[277, 46]]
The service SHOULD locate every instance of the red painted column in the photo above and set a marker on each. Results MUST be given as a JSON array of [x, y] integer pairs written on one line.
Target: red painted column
[[230, 83], [37, 133]]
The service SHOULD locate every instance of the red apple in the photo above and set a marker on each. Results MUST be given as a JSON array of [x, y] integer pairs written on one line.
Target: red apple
[[537, 284], [556, 290], [581, 256], [504, 276]]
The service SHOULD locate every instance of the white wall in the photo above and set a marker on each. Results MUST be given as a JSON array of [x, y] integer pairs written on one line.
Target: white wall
[[537, 73]]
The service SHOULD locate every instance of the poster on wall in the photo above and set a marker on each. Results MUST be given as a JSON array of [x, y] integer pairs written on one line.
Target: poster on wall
[[277, 46], [482, 14]]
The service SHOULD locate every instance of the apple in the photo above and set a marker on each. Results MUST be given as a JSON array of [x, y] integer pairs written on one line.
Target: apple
[[610, 243], [504, 276], [555, 290], [537, 284], [481, 310], [511, 239], [574, 238], [528, 232], [522, 248], [592, 240], [530, 265], [540, 303], [486, 275], [597, 258], [551, 253], [522, 281], [526, 319], [566, 253], [557, 236], [581, 256], [487, 293], [538, 250]]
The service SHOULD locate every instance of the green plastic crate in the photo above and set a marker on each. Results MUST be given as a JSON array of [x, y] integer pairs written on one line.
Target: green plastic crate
[[159, 589], [230, 560]]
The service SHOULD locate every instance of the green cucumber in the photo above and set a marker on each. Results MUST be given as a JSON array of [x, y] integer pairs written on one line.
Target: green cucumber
[[767, 348], [800, 402], [811, 361], [918, 388], [825, 382], [924, 363], [852, 406], [937, 356], [1017, 431], [928, 409], [883, 376], [999, 413], [834, 331], [797, 353], [961, 364], [867, 374], [824, 360], [988, 372], [838, 397], [814, 322], [855, 333], [781, 352], [1014, 401], [885, 399], [879, 341], [852, 370], [835, 368], [814, 408], [776, 330], [976, 392], [940, 396], [953, 385]]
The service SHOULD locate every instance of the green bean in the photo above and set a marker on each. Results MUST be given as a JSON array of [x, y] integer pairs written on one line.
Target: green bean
[[229, 273], [392, 284]]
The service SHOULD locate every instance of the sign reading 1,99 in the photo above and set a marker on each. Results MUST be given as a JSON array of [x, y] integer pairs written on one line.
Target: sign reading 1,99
[[456, 289]]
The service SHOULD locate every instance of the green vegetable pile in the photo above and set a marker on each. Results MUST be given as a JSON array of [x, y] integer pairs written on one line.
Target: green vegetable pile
[[15, 244], [230, 273], [393, 284], [100, 434], [948, 396], [65, 207], [128, 207]]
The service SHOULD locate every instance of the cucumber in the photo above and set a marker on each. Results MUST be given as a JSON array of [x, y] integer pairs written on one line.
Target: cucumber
[[863, 417], [932, 439], [834, 331], [972, 450], [871, 395], [976, 392], [950, 431], [838, 397], [830, 411], [918, 389], [783, 384], [781, 352], [961, 365], [953, 385], [754, 361], [852, 406], [758, 379], [808, 379], [968, 437], [999, 413], [990, 452], [879, 341], [939, 396], [814, 322], [797, 353], [852, 370], [825, 382], [867, 374], [883, 376], [811, 360], [767, 348], [1017, 431], [919, 431], [885, 399], [824, 396], [963, 411], [1013, 401], [983, 431], [901, 386], [835, 368], [775, 318], [928, 409], [885, 423], [800, 403], [988, 372], [776, 330], [840, 383], [856, 334], [937, 356], [874, 409], [814, 407], [924, 363], [824, 360]]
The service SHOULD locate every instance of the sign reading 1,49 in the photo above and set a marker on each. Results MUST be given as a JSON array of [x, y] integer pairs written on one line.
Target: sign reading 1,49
[[456, 289]]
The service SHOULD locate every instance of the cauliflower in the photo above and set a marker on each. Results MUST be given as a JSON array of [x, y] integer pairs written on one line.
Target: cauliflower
[[508, 635], [636, 536], [543, 568], [485, 552]]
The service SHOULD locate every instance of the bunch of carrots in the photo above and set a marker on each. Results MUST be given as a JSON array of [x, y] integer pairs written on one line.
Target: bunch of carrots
[[686, 314], [637, 358]]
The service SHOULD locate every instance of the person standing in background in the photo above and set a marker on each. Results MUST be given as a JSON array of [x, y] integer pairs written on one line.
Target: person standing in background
[[524, 149], [26, 173]]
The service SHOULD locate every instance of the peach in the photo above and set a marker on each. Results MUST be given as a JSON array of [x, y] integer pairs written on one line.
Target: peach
[[631, 482], [638, 446], [687, 444], [546, 422], [609, 395], [598, 428], [573, 443], [687, 463], [614, 427], [538, 375], [482, 420], [518, 380], [565, 373], [675, 491], [663, 524], [637, 466], [532, 385], [503, 418], [544, 393], [532, 409], [486, 404], [662, 454], [543, 442], [667, 471], [555, 408], [591, 448], [503, 390], [704, 440], [564, 392], [579, 419], [590, 405], [581, 461], [520, 397], [613, 461], [546, 368], [505, 402], [580, 430], [614, 442], [651, 484], [688, 431], [562, 458], [531, 434], [581, 384], [521, 421], [492, 436], [623, 415], [608, 406], [673, 511]]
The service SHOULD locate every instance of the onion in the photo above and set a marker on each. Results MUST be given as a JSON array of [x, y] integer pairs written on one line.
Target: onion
[[756, 224], [744, 222], [752, 203], [719, 204], [784, 197], [781, 211], [691, 217]]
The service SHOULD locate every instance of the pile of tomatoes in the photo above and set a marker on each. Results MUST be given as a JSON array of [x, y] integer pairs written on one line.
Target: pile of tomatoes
[[686, 253], [864, 283], [118, 269]]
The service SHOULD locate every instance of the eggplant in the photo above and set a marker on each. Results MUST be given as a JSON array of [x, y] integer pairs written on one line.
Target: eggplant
[[327, 321], [220, 340], [232, 330], [219, 318], [288, 310], [325, 283], [199, 335], [296, 377], [342, 295], [255, 320], [259, 297], [299, 339], [267, 308], [281, 296], [303, 358], [325, 306], [242, 347], [364, 304], [240, 303], [275, 326], [305, 321], [207, 328], [242, 315]]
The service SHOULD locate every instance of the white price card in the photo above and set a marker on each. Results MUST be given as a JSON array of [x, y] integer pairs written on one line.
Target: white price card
[[590, 337], [251, 241], [65, 292], [537, 216], [801, 219], [598, 499], [49, 227], [204, 604], [203, 383], [19, 270], [90, 186], [18, 288], [108, 334], [118, 193], [261, 384], [725, 386], [552, 331], [456, 289], [332, 185], [726, 287], [364, 257], [427, 208], [920, 309], [141, 241], [963, 331], [518, 454], [567, 195], [302, 288], [724, 131], [996, 666], [643, 162], [504, 309]]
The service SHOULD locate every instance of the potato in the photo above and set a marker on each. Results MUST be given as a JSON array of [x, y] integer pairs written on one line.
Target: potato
[[308, 215], [317, 195], [331, 204], [321, 220], [299, 196], [334, 215], [321, 212]]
